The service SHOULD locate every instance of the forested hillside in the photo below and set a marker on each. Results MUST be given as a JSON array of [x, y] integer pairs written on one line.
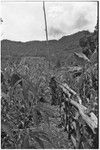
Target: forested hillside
[[58, 49]]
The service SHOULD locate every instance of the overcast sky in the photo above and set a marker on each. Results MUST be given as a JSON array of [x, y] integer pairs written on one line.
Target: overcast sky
[[24, 21]]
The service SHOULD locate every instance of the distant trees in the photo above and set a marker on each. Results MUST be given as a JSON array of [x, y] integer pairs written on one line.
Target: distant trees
[[83, 42], [96, 33], [89, 43]]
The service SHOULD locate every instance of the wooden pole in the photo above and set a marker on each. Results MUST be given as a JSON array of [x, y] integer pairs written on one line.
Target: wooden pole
[[46, 29]]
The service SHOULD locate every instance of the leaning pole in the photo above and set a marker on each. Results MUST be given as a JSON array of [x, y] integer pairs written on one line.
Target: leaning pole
[[46, 30]]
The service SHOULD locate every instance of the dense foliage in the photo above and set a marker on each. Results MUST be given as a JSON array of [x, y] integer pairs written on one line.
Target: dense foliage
[[43, 106]]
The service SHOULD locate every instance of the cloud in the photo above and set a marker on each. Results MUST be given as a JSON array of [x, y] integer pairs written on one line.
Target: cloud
[[81, 22], [65, 18], [55, 11], [55, 32], [25, 21]]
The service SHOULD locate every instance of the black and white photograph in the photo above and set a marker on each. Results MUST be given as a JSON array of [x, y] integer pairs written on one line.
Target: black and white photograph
[[49, 74]]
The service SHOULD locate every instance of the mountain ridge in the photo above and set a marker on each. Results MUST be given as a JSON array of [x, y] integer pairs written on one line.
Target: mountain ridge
[[86, 31], [55, 49]]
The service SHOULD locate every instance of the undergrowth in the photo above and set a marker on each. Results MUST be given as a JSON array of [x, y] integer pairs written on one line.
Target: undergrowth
[[44, 107]]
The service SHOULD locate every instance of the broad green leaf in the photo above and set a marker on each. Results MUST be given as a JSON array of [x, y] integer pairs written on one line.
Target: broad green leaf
[[94, 118], [74, 125], [81, 58], [74, 141]]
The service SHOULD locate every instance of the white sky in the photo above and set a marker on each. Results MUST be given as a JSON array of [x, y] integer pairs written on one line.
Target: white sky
[[24, 21]]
